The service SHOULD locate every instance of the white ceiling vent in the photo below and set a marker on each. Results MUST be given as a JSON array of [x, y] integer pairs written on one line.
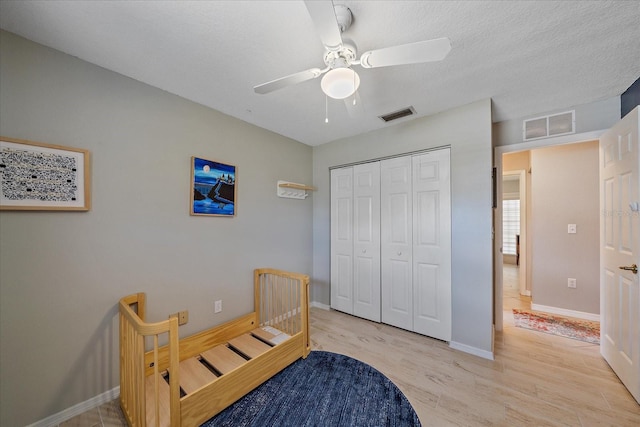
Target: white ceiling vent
[[554, 125], [409, 111]]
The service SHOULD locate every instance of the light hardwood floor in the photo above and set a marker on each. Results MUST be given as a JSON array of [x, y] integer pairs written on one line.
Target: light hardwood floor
[[536, 379]]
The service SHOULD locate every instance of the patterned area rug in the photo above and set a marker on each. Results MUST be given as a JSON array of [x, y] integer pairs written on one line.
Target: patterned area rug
[[583, 330], [325, 389]]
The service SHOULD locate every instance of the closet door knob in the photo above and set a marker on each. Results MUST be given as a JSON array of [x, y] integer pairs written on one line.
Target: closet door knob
[[399, 253], [364, 251]]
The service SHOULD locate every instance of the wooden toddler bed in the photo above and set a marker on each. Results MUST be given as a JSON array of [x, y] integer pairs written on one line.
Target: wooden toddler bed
[[188, 381]]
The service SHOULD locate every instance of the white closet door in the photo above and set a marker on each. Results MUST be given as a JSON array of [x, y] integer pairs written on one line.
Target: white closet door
[[366, 241], [342, 239], [432, 244], [396, 246]]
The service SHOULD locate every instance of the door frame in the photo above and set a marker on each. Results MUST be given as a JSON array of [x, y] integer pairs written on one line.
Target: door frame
[[497, 226]]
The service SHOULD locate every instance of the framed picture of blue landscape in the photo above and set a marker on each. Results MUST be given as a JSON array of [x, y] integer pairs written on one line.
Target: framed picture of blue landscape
[[213, 188]]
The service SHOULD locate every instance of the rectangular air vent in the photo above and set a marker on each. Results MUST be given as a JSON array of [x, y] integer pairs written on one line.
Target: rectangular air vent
[[553, 125], [398, 114]]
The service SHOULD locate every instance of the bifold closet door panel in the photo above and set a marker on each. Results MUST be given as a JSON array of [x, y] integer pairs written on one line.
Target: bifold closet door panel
[[366, 241], [432, 244], [342, 239], [396, 242]]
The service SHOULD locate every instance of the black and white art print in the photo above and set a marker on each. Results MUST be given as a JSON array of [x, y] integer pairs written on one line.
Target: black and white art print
[[38, 176]]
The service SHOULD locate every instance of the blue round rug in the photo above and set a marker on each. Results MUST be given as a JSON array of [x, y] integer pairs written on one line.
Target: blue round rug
[[325, 389]]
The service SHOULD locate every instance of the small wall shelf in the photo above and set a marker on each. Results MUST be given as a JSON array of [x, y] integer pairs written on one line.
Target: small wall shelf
[[291, 190]]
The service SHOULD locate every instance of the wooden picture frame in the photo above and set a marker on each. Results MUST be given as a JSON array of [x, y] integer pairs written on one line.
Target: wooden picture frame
[[36, 176], [213, 188]]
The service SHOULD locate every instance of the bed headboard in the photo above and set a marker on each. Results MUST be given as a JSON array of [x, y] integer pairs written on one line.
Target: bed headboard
[[282, 301]]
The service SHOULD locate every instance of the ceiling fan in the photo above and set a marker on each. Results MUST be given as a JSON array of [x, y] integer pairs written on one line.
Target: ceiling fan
[[340, 81]]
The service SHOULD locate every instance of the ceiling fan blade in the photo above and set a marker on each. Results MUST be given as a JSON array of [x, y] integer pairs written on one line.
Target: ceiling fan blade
[[411, 53], [289, 80], [324, 19], [355, 109]]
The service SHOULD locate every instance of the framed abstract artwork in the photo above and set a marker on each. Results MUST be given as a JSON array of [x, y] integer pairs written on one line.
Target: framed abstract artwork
[[39, 177], [213, 188]]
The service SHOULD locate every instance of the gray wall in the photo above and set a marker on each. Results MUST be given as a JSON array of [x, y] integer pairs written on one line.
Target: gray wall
[[62, 273], [467, 130], [594, 116], [564, 186]]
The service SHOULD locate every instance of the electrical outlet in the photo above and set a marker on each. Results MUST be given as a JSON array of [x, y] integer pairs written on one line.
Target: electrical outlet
[[183, 317], [218, 306], [571, 283], [572, 229]]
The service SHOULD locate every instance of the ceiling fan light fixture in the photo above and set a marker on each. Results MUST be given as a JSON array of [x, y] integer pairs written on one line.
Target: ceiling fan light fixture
[[340, 83]]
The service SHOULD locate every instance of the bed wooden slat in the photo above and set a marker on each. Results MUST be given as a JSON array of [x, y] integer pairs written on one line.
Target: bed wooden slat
[[272, 336], [249, 345], [223, 359], [193, 375]]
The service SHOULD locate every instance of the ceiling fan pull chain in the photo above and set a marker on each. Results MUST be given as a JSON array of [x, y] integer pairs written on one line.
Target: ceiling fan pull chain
[[355, 88], [326, 109]]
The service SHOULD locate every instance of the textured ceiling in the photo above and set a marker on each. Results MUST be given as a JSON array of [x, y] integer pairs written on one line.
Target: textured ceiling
[[528, 57]]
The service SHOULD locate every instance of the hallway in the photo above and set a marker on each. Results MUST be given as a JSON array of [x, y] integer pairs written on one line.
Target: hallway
[[511, 297]]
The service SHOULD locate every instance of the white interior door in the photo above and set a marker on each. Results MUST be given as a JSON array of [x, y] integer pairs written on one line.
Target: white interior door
[[396, 247], [342, 239], [619, 295], [366, 241], [432, 244]]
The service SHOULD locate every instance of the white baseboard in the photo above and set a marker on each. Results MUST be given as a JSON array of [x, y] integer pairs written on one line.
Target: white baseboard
[[455, 345], [320, 305], [564, 312], [78, 409], [471, 350]]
